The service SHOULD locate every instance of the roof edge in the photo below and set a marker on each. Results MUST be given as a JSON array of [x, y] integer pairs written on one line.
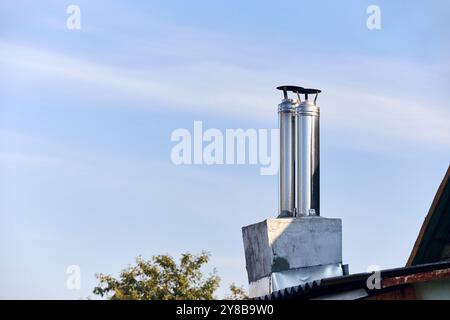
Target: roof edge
[[428, 217]]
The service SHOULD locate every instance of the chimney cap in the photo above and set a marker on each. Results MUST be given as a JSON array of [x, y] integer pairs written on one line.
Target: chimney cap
[[301, 90], [310, 91], [291, 88]]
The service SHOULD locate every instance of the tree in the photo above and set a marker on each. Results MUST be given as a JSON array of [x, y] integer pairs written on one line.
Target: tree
[[236, 293], [161, 278]]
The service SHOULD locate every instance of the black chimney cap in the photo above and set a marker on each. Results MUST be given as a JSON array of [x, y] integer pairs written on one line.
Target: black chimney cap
[[291, 88]]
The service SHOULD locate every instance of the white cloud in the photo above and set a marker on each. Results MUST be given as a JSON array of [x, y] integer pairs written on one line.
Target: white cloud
[[9, 159], [389, 118], [204, 86], [220, 88]]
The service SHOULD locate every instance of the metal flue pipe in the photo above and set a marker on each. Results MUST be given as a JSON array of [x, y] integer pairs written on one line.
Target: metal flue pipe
[[286, 177], [299, 172], [308, 155]]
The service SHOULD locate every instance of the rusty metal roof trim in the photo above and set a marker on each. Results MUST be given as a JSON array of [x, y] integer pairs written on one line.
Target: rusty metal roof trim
[[416, 278]]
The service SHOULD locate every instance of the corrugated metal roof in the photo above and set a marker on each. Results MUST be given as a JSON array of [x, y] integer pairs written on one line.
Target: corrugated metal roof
[[389, 278]]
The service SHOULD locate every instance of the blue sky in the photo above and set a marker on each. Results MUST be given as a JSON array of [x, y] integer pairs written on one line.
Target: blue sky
[[86, 117]]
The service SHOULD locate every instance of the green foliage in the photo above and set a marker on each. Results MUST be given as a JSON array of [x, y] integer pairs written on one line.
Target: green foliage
[[236, 293], [161, 278]]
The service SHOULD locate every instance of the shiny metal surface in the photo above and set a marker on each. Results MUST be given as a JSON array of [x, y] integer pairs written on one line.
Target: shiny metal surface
[[277, 281], [301, 276], [308, 155], [286, 180]]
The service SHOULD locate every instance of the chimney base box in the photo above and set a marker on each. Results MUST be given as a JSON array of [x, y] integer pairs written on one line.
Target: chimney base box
[[291, 251]]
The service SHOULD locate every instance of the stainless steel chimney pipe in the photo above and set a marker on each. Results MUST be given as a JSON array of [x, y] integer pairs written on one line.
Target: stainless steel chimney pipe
[[286, 177], [308, 154]]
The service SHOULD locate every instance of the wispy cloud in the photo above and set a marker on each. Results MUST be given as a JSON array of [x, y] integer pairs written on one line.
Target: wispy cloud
[[8, 159], [204, 86], [220, 88], [388, 117]]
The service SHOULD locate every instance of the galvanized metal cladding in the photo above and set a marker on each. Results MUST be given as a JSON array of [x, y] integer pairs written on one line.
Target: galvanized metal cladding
[[299, 178]]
